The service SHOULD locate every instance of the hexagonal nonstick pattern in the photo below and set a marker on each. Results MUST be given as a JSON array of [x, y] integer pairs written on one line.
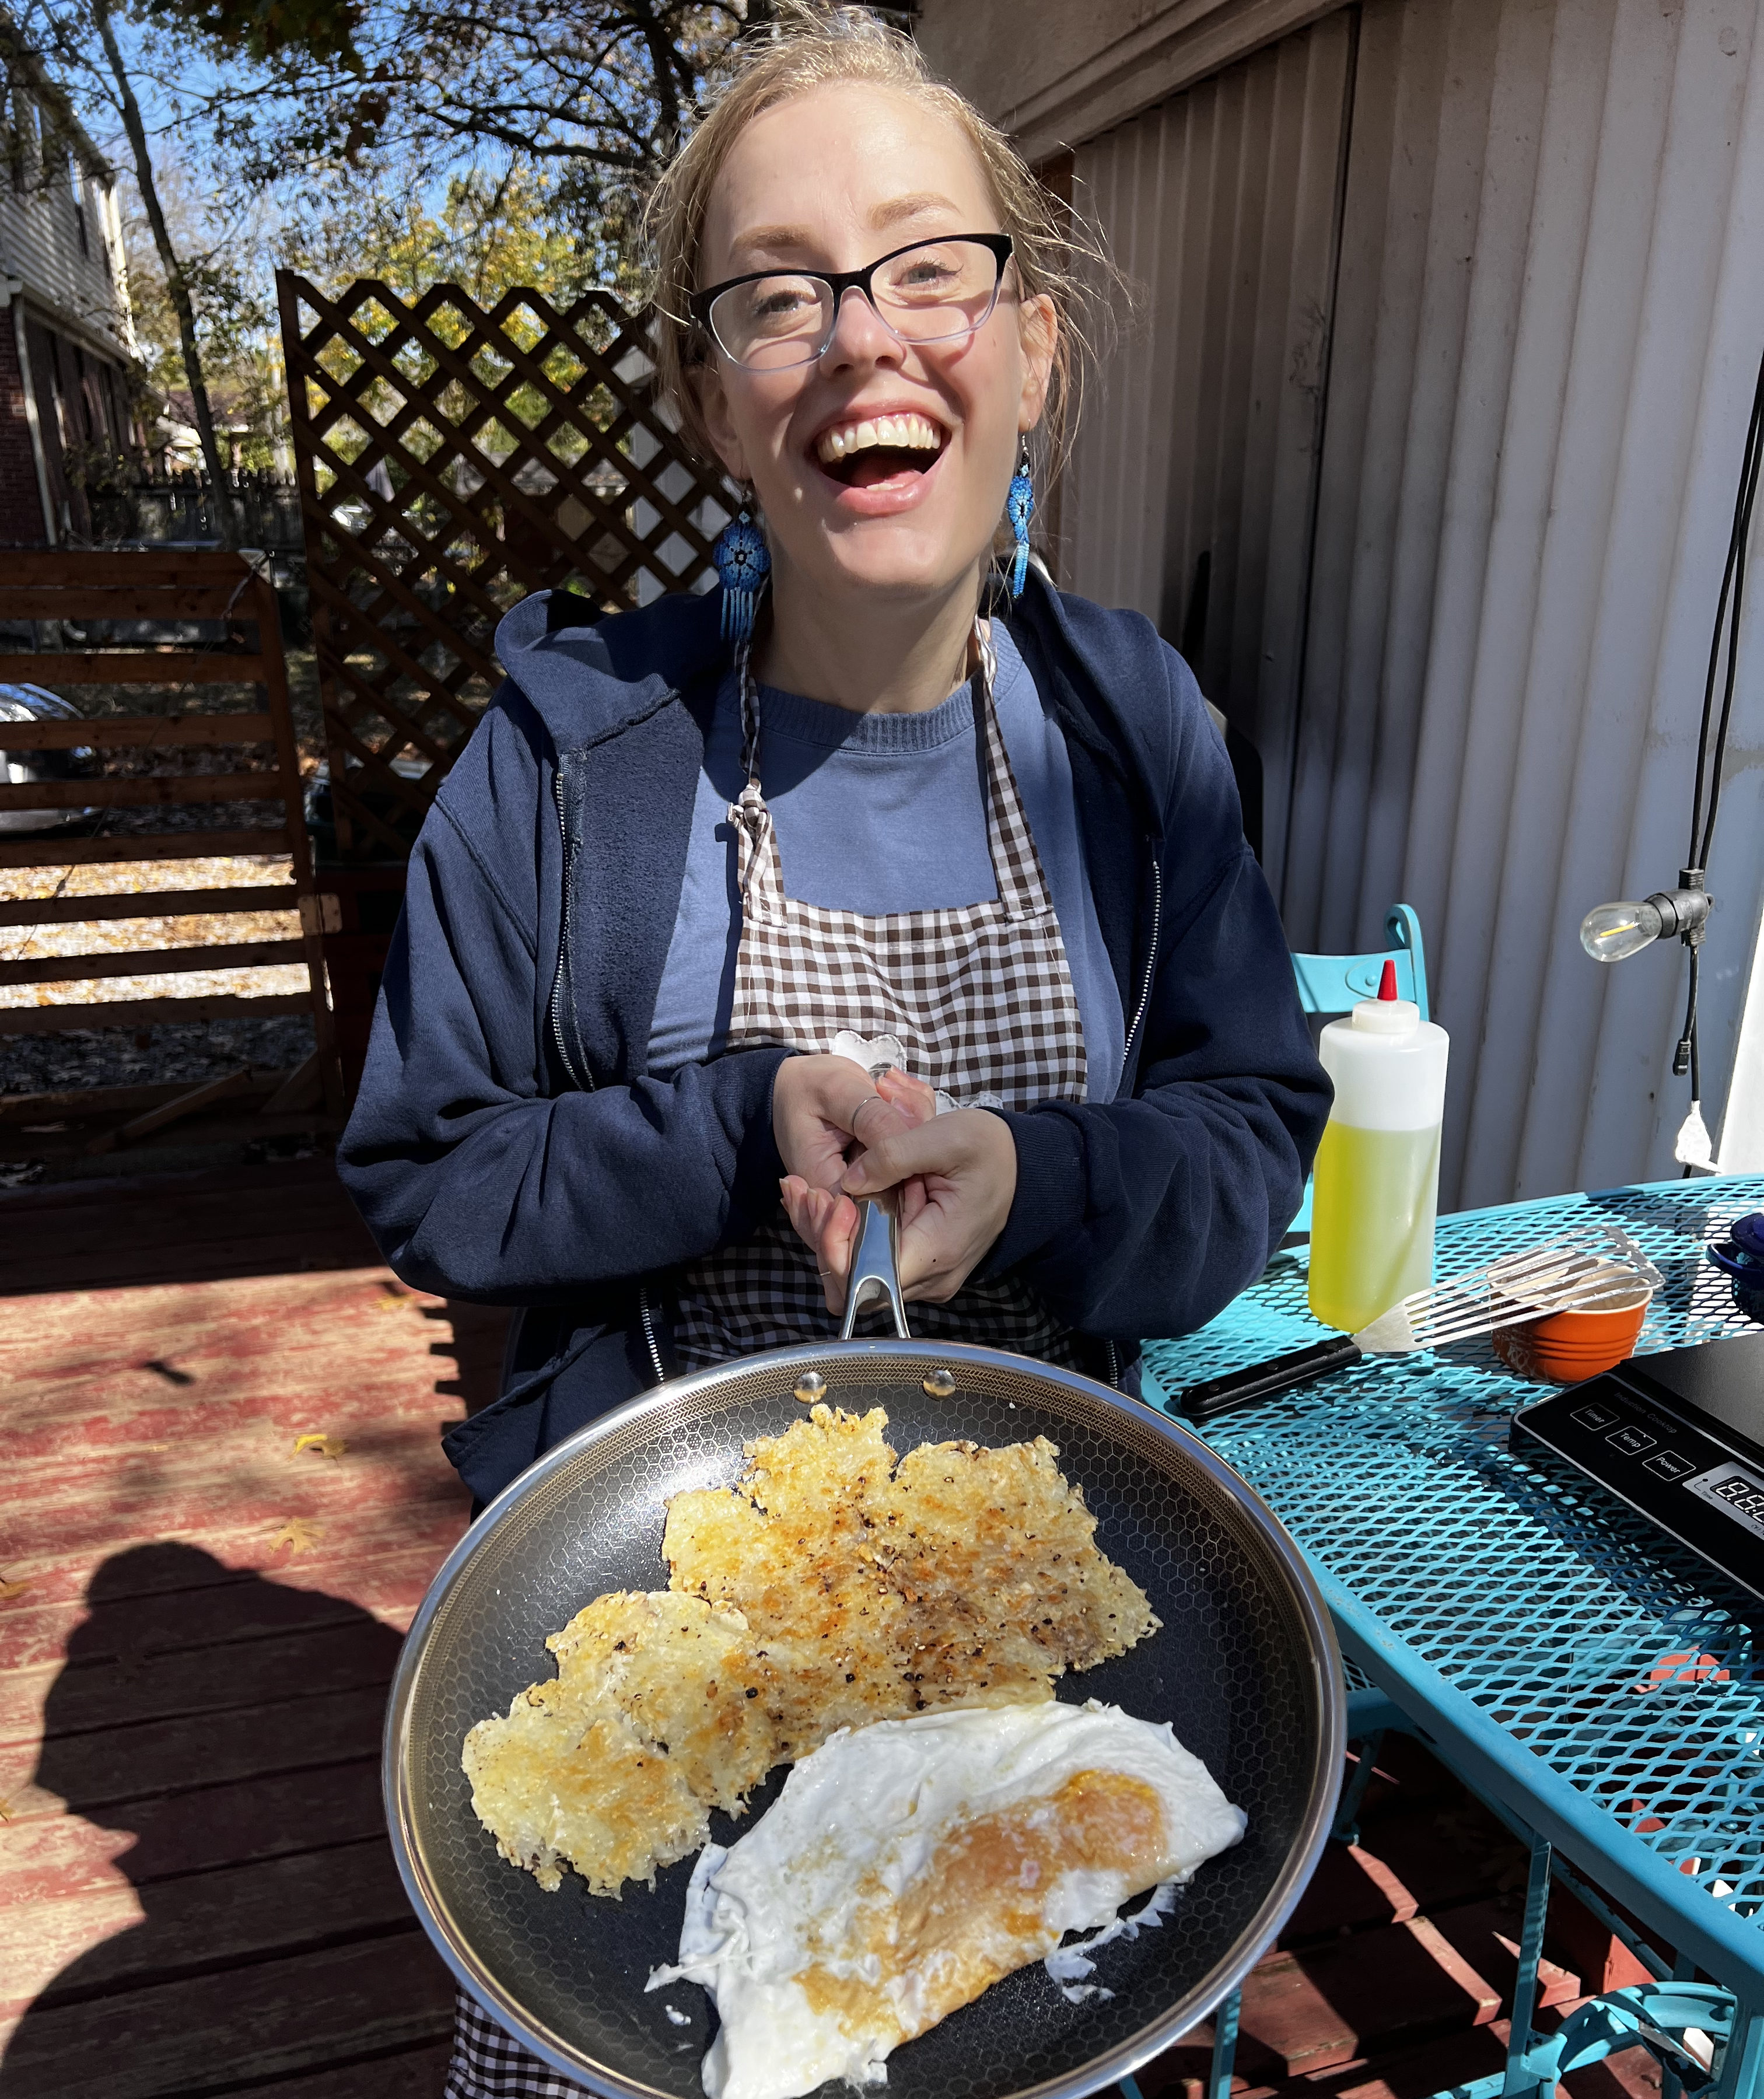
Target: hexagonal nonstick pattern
[[1245, 1667]]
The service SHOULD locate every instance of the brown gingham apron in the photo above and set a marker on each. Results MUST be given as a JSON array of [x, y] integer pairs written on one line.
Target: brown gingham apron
[[979, 997]]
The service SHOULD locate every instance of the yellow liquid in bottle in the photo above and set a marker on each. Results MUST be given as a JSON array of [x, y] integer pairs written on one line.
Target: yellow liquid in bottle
[[1371, 1221]]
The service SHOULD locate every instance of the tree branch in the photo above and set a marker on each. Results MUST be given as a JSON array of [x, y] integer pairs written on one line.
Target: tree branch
[[177, 284]]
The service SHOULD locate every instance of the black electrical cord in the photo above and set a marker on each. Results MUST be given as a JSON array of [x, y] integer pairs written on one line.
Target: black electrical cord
[[1709, 761], [1728, 628], [1689, 1051]]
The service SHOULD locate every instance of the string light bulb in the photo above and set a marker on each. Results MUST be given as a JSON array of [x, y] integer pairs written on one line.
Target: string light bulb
[[1611, 932]]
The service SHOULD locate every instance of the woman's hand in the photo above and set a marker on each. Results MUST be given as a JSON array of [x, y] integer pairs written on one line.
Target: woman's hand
[[815, 1101], [822, 1121], [966, 1164]]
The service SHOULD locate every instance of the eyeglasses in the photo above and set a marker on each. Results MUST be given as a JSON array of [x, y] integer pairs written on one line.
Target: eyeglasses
[[934, 290]]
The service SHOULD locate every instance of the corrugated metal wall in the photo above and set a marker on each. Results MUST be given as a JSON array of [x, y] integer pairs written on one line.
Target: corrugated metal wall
[[1547, 315], [1196, 470]]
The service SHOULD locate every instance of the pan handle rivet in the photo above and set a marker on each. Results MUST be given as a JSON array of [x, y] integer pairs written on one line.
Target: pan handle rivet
[[941, 1384], [810, 1387]]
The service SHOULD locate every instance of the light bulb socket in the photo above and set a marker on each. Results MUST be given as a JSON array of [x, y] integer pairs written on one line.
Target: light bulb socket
[[1682, 912]]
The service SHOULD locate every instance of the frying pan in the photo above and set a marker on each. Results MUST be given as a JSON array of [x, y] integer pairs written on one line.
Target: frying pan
[[1246, 1667]]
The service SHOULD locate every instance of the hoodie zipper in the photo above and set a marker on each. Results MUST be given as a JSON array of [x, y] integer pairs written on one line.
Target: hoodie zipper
[[564, 1056], [1132, 1032], [648, 1317], [1152, 963], [645, 1312]]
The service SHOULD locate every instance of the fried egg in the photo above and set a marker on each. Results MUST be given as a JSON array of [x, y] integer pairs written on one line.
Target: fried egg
[[909, 1865]]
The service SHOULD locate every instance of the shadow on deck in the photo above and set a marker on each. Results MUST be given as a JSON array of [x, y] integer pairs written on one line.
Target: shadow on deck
[[272, 1931], [198, 1622]]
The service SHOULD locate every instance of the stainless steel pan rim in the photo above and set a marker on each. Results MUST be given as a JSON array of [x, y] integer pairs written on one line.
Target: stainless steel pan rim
[[1327, 1750]]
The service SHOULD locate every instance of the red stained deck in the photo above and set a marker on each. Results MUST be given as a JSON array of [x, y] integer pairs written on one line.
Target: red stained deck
[[198, 1624], [196, 1890]]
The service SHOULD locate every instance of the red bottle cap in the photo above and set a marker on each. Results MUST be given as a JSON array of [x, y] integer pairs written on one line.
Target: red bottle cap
[[1387, 984]]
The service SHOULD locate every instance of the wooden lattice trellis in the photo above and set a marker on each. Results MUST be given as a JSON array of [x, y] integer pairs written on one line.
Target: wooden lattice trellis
[[451, 461]]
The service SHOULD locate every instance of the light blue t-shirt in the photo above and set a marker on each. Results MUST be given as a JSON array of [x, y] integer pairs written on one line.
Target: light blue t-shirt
[[879, 813]]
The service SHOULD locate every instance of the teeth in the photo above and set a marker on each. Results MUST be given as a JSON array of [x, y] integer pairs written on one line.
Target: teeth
[[911, 433]]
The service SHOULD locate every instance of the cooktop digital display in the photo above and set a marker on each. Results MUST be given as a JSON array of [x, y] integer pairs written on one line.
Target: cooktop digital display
[[1735, 1492]]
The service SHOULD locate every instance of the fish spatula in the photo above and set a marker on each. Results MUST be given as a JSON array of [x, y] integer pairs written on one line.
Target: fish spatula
[[1592, 1267]]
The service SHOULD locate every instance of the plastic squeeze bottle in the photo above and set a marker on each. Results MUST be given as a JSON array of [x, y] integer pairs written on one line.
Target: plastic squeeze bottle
[[1378, 1168]]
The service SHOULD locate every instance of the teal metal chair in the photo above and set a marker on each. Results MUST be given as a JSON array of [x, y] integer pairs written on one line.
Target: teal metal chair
[[1336, 984]]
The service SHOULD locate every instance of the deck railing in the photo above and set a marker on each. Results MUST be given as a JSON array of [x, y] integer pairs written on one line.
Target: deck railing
[[205, 778]]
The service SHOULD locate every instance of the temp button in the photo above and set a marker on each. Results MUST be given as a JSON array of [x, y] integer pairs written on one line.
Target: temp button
[[1593, 1416], [1669, 1465], [1631, 1441]]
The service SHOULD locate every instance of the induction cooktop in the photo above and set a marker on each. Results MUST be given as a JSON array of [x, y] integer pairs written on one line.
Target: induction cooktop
[[1680, 1436]]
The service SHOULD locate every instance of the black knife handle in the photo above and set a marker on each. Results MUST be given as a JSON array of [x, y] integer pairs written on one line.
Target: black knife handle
[[1244, 1388]]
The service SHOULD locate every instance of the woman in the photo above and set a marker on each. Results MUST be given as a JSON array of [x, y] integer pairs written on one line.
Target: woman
[[675, 864]]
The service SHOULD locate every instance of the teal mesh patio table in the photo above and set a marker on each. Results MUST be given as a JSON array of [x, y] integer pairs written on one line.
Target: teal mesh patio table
[[1599, 1685]]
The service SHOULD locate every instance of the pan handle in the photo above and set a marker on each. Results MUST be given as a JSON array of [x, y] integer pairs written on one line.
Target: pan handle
[[875, 1268], [1244, 1388]]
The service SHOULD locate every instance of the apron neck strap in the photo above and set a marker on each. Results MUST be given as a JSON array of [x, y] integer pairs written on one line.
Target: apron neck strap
[[750, 697], [748, 687]]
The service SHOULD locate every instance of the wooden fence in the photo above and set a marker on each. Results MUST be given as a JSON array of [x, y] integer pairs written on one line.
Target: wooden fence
[[152, 773]]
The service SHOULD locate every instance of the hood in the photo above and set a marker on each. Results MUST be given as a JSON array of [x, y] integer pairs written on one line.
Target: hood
[[589, 675]]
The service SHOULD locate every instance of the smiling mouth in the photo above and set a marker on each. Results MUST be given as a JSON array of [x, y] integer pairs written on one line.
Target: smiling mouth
[[865, 453]]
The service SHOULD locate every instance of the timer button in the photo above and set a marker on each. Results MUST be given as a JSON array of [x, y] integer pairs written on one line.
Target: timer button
[[1593, 1416]]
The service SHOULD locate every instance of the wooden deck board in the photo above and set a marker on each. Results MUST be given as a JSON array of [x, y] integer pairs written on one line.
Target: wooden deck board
[[373, 1548], [417, 2074], [196, 1890], [233, 2026], [192, 1685], [270, 1907], [264, 1816], [109, 1772]]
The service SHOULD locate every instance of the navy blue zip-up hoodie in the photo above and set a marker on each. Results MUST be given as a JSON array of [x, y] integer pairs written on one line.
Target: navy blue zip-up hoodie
[[508, 1144]]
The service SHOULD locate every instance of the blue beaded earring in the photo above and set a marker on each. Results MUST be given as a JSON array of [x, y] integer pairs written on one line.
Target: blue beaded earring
[[743, 563], [1019, 507]]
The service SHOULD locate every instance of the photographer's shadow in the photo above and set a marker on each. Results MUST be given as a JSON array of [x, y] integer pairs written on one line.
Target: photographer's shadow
[[231, 1727]]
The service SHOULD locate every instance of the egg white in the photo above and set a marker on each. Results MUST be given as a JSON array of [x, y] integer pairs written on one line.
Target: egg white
[[861, 1821]]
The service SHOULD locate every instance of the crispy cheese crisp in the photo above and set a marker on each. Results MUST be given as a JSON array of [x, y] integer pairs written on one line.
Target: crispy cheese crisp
[[828, 1588], [613, 1767]]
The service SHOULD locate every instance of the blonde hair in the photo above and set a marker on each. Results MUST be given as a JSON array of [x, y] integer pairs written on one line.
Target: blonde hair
[[813, 44]]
